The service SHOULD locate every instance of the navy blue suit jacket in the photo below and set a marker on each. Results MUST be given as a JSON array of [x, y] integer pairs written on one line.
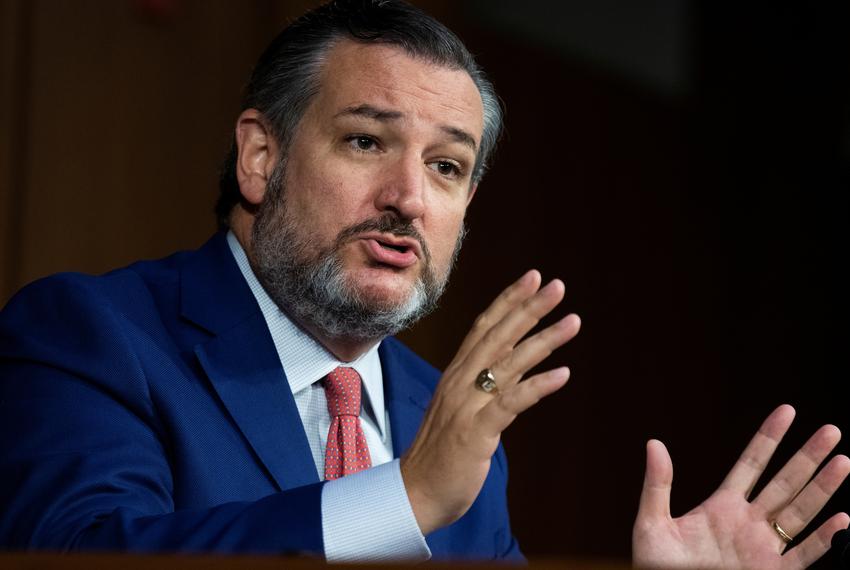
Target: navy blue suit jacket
[[146, 410]]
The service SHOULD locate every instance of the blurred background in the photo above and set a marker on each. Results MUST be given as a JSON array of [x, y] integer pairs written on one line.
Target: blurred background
[[683, 165]]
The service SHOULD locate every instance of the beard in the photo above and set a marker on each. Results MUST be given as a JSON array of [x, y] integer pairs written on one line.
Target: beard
[[311, 285]]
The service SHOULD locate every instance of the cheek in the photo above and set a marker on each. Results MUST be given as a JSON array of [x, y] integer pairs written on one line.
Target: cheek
[[321, 201], [444, 233], [340, 203]]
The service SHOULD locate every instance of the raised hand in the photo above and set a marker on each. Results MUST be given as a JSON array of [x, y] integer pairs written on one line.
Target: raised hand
[[447, 463], [729, 531]]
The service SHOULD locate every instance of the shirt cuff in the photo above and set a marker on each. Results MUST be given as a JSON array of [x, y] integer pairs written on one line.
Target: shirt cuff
[[367, 517]]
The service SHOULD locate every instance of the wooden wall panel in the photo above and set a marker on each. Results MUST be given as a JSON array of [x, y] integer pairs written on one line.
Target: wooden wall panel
[[128, 113], [14, 28]]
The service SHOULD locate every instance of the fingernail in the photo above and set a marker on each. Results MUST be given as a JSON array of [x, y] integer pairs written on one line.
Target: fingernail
[[554, 283], [528, 277], [572, 317]]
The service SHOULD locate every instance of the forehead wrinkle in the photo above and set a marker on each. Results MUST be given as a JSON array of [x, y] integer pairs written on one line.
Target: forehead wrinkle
[[377, 112], [441, 99], [411, 95], [415, 94]]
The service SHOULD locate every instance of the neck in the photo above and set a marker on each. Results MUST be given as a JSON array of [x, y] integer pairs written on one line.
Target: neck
[[344, 349]]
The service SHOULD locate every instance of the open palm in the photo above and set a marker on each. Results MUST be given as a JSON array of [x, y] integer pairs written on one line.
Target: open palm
[[728, 530]]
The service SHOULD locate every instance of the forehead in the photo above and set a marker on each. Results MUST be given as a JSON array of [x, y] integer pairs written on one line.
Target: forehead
[[385, 76]]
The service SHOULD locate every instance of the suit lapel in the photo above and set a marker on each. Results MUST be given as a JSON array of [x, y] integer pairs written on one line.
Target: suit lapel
[[242, 363], [406, 395]]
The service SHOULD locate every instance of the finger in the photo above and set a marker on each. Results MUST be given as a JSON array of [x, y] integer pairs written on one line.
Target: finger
[[816, 544], [657, 482], [749, 467], [516, 293], [799, 469], [501, 339], [498, 414], [797, 515], [535, 349]]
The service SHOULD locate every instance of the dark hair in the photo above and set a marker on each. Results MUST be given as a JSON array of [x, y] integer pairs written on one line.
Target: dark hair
[[286, 76]]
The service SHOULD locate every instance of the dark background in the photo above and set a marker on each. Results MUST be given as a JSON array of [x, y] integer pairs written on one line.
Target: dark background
[[683, 165]]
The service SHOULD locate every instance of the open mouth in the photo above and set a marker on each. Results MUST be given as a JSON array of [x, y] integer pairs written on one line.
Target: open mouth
[[399, 253], [399, 248]]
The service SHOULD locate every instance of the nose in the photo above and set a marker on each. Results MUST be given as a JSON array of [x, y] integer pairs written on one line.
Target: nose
[[402, 189]]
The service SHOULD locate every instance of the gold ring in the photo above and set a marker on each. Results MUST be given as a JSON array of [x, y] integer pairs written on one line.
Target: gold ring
[[486, 382], [782, 534]]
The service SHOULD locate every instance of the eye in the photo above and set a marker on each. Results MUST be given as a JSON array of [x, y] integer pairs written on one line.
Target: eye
[[447, 168], [362, 143]]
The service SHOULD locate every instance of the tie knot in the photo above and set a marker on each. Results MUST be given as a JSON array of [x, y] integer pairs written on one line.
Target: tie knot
[[342, 389]]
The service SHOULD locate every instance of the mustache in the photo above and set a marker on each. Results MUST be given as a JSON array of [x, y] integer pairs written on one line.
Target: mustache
[[388, 224]]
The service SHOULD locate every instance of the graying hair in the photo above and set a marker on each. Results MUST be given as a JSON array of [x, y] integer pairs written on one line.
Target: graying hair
[[288, 74]]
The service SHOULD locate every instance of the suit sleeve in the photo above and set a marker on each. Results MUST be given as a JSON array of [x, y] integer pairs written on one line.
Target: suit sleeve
[[85, 464], [507, 546]]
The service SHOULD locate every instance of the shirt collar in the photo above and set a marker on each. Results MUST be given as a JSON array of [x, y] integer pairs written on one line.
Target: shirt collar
[[304, 360]]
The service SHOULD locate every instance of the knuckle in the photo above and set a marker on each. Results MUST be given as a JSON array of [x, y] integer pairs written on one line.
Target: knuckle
[[795, 514], [482, 322], [506, 362], [529, 304], [502, 354], [490, 338], [506, 401], [534, 308], [545, 351], [753, 462], [820, 488], [785, 486]]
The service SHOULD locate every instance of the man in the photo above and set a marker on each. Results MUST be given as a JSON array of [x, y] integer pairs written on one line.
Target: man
[[197, 403]]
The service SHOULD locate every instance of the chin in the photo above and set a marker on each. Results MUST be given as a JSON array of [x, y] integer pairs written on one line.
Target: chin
[[385, 286], [385, 296]]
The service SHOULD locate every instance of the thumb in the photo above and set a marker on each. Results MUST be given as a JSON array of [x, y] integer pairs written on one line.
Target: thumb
[[655, 497]]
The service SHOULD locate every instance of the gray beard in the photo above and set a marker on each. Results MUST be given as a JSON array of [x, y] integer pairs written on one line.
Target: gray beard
[[311, 285]]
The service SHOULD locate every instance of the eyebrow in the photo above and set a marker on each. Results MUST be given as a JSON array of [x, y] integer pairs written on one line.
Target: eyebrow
[[370, 112], [386, 115], [460, 136]]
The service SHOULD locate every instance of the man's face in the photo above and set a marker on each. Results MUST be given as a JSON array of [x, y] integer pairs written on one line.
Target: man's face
[[377, 177]]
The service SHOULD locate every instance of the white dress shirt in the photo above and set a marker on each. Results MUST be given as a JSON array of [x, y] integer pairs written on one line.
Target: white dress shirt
[[365, 516]]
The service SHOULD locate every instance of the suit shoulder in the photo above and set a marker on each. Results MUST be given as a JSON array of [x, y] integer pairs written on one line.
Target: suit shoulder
[[69, 307], [62, 306], [61, 292], [54, 295], [123, 289]]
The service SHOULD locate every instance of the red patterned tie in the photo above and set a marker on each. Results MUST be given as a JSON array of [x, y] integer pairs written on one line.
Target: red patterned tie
[[346, 451]]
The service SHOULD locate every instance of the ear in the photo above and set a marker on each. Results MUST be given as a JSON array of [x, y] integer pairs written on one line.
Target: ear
[[257, 155], [472, 190]]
